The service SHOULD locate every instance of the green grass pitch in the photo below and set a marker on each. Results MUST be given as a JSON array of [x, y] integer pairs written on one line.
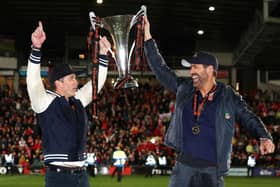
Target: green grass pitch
[[137, 181]]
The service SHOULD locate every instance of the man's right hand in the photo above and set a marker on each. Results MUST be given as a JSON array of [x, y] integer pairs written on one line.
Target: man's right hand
[[38, 36], [147, 32]]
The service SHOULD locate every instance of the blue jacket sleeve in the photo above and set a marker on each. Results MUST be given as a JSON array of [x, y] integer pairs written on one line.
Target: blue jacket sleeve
[[248, 119], [163, 73]]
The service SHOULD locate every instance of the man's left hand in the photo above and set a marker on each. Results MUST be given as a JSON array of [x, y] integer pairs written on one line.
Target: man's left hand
[[105, 45], [266, 146]]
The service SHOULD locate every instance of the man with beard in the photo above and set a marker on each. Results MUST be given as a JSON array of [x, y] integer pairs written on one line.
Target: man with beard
[[202, 125]]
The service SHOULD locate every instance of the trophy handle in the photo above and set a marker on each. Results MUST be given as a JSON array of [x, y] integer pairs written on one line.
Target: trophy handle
[[93, 22], [92, 19], [141, 12], [131, 51]]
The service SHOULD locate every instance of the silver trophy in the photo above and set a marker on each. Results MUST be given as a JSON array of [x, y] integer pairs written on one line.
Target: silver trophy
[[119, 27]]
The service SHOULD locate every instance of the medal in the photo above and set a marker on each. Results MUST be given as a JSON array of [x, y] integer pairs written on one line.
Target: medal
[[195, 130], [198, 106]]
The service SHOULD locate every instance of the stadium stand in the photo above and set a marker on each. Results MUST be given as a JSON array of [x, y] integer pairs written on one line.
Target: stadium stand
[[135, 119]]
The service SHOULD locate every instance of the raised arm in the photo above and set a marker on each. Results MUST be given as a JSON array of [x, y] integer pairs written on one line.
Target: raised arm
[[36, 90], [164, 74], [85, 93]]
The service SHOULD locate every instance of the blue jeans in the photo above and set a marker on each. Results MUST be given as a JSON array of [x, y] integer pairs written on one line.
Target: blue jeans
[[60, 179], [186, 176]]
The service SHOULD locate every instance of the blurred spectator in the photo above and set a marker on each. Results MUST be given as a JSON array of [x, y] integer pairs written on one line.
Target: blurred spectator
[[119, 158], [162, 163], [150, 164], [9, 162], [36, 162], [91, 161], [251, 163]]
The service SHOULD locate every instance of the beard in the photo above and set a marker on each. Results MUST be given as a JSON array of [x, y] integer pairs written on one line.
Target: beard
[[197, 82]]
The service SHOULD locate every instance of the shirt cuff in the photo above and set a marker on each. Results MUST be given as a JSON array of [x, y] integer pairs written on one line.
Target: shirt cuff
[[35, 55], [103, 60]]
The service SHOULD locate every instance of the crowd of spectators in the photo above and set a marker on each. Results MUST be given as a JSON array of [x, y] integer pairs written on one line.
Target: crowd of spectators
[[133, 119]]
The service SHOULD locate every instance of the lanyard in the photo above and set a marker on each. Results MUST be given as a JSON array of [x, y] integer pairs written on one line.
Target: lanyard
[[198, 107]]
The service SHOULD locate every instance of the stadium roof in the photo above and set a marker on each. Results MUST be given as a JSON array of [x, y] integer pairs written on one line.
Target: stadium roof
[[249, 29]]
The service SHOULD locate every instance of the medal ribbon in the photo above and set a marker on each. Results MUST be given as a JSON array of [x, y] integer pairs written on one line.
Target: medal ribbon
[[197, 108]]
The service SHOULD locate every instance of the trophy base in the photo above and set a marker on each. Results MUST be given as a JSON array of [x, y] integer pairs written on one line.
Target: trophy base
[[126, 82]]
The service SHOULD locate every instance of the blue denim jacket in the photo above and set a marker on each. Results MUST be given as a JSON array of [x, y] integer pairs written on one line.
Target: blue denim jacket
[[231, 108]]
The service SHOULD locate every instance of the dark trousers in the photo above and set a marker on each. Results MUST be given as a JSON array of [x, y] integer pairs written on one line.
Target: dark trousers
[[149, 171], [118, 170], [61, 179], [186, 176], [91, 170], [250, 171], [163, 170], [10, 168]]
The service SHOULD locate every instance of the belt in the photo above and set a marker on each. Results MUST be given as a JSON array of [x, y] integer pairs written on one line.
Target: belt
[[60, 169]]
